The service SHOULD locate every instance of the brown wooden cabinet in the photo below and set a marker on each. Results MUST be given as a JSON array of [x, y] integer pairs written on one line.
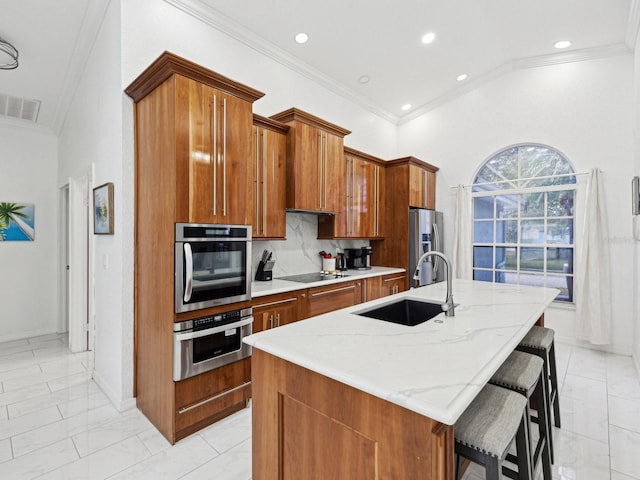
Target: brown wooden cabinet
[[319, 300], [382, 286], [219, 149], [422, 187], [315, 162], [193, 152], [409, 182], [361, 214], [274, 310], [269, 154], [306, 422], [394, 283]]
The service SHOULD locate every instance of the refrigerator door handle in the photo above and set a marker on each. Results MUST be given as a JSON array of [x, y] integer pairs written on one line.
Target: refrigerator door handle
[[437, 248]]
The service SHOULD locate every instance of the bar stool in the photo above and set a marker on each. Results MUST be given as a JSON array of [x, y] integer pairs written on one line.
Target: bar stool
[[524, 373], [540, 341], [488, 427]]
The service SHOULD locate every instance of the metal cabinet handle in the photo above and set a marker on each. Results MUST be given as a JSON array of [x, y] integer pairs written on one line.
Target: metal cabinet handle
[[277, 319], [320, 170], [376, 195], [303, 295], [214, 154], [224, 157], [324, 169], [257, 140], [319, 294], [215, 397], [270, 321], [279, 302], [264, 183]]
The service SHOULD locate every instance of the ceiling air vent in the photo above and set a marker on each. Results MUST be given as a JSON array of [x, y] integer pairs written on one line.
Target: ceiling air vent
[[23, 108]]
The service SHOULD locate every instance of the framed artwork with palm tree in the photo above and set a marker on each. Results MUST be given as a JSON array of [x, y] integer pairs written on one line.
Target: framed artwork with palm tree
[[17, 222], [103, 209]]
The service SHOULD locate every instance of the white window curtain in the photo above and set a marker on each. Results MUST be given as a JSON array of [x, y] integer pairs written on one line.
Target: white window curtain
[[462, 243], [593, 306]]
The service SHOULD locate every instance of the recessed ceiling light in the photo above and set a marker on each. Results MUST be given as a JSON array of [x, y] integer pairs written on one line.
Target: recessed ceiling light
[[562, 44], [302, 37], [364, 79], [461, 77], [428, 37], [406, 106]]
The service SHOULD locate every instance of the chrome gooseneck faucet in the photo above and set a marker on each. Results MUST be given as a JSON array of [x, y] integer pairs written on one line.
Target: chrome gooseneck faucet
[[448, 306]]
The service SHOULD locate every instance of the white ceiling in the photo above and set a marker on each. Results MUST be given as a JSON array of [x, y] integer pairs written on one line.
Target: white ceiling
[[348, 39]]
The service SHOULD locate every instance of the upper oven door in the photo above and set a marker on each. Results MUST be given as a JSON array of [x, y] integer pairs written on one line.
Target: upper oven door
[[212, 271]]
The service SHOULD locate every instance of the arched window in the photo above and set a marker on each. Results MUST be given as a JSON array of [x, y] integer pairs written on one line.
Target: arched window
[[523, 219]]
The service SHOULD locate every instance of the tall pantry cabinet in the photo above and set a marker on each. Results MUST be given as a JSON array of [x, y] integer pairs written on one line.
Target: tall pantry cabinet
[[193, 133]]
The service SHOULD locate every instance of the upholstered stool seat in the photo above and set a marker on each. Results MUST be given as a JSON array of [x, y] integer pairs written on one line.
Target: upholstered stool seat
[[488, 427], [524, 373], [540, 341]]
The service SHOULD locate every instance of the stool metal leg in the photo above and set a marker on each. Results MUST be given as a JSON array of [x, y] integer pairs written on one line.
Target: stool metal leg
[[554, 385], [542, 400]]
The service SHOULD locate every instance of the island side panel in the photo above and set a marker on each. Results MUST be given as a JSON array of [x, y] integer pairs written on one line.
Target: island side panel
[[306, 425]]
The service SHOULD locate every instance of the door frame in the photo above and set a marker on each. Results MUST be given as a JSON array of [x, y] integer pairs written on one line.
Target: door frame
[[77, 298]]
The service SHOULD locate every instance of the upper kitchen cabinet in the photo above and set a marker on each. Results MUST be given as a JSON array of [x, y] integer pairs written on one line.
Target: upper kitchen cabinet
[[315, 162], [422, 186], [195, 127], [269, 158], [361, 215], [410, 182]]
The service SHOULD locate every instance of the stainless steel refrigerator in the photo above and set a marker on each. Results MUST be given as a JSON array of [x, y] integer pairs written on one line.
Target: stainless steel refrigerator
[[425, 234]]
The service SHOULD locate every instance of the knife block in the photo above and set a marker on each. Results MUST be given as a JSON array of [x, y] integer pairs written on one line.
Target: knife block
[[265, 271]]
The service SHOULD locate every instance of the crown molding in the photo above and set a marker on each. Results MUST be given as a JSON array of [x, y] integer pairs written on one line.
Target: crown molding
[[91, 23], [224, 24], [220, 22], [520, 64], [633, 24]]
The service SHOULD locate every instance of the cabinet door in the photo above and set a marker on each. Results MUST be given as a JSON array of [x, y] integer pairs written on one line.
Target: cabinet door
[[392, 284], [364, 199], [333, 173], [422, 188], [417, 187], [274, 311], [372, 289], [269, 154], [220, 152], [305, 172], [325, 299]]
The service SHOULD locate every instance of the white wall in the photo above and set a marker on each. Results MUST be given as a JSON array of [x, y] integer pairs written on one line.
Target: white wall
[[92, 132], [28, 270], [152, 26], [582, 109]]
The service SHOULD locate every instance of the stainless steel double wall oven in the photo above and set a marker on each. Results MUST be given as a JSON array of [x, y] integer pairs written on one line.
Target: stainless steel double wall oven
[[212, 268]]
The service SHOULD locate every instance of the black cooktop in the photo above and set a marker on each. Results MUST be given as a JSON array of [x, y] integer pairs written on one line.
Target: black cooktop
[[312, 277]]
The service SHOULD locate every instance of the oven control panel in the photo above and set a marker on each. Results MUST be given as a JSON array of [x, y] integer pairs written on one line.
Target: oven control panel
[[210, 321]]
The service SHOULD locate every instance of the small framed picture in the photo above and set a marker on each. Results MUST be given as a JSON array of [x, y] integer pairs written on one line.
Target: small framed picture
[[103, 209]]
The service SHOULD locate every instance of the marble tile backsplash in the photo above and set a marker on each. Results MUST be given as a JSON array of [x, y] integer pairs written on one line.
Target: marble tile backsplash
[[299, 252]]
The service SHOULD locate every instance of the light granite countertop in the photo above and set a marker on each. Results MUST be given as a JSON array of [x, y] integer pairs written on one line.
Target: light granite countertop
[[260, 289], [435, 368]]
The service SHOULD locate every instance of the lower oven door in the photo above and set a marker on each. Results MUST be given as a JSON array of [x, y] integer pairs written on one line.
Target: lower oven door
[[199, 351]]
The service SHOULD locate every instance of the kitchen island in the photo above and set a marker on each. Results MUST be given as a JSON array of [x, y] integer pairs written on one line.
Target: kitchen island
[[346, 396]]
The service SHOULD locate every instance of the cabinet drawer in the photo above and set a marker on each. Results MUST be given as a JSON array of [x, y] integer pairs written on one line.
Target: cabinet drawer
[[321, 300], [208, 395]]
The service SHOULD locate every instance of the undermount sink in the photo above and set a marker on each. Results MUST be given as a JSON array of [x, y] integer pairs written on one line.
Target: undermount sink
[[406, 311]]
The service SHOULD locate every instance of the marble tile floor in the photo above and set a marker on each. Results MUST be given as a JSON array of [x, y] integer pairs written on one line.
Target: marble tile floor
[[55, 423]]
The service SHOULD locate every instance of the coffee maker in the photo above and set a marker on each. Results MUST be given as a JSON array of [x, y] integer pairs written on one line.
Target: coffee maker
[[358, 258]]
